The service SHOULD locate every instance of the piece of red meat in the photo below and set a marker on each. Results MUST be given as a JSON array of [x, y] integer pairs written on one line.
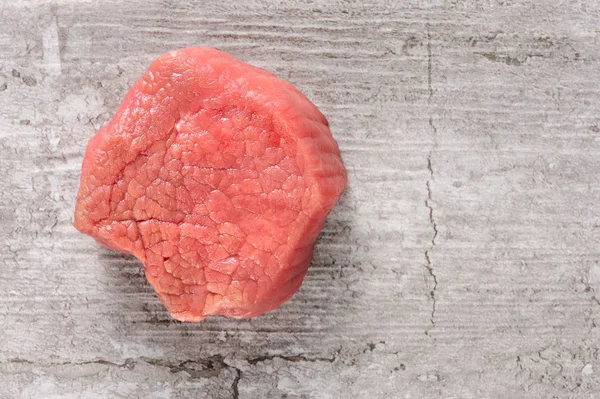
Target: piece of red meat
[[218, 176]]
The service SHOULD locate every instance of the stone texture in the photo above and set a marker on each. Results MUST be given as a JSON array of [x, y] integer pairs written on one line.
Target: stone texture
[[462, 260]]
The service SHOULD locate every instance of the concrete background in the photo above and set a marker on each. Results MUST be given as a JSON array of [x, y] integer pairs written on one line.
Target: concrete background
[[462, 262]]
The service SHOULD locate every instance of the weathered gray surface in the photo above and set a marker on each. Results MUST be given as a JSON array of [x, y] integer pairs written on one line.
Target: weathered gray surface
[[462, 261]]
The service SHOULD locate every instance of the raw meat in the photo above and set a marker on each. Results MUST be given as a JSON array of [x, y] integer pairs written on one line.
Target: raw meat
[[218, 176]]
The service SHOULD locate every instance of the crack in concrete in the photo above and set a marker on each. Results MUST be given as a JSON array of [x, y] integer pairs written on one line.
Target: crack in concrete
[[216, 362], [209, 367], [429, 264], [235, 384], [127, 364], [201, 368], [429, 199], [519, 365], [295, 358]]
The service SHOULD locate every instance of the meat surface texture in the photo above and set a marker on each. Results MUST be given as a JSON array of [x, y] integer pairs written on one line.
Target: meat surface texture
[[218, 176]]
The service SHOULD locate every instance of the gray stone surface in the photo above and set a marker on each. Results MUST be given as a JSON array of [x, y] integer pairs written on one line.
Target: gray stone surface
[[462, 261]]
